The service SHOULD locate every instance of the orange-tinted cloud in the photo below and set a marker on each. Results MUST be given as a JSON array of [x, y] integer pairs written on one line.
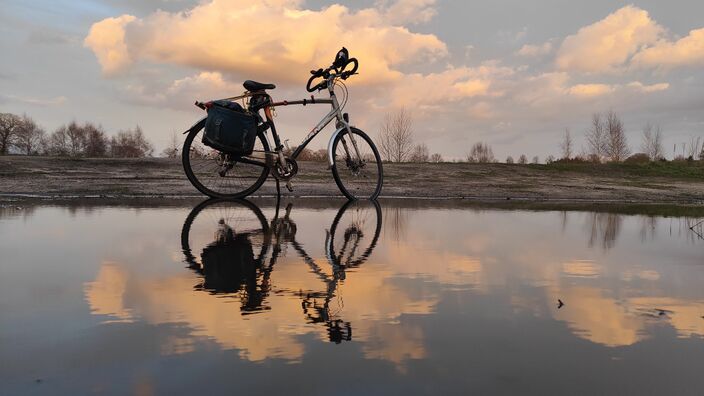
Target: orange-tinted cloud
[[277, 39], [608, 43], [687, 51]]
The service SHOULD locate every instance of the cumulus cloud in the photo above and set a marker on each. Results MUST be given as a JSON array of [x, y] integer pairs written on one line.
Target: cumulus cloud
[[450, 85], [534, 50], [277, 39], [687, 51], [629, 37], [107, 40], [609, 43]]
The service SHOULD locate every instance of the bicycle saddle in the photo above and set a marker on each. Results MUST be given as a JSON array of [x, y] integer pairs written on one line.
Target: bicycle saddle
[[252, 86]]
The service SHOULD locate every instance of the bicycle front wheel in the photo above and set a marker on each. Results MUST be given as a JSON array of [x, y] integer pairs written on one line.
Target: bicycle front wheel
[[357, 166], [220, 175]]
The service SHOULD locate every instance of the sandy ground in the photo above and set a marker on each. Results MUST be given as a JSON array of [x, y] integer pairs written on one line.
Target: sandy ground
[[160, 177]]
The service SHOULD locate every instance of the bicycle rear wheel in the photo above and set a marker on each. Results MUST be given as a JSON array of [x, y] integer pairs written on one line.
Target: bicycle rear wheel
[[220, 175], [357, 172]]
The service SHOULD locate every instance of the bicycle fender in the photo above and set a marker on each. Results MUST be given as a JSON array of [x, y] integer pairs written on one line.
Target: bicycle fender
[[198, 125], [331, 155]]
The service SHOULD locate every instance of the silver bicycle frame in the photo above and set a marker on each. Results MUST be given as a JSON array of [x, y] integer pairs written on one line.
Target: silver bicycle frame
[[335, 113]]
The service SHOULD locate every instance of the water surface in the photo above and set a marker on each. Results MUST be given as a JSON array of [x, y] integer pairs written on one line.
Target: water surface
[[317, 297]]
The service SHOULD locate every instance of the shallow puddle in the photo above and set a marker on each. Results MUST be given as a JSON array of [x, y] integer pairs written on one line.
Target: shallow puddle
[[322, 297]]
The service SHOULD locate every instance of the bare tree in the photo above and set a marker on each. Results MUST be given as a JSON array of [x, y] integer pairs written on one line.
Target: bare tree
[[509, 160], [693, 148], [596, 138], [549, 159], [652, 142], [96, 142], [436, 157], [420, 153], [566, 145], [396, 136], [536, 160], [480, 152], [617, 146], [28, 136], [76, 135], [522, 159], [130, 144], [9, 124], [172, 150], [58, 142]]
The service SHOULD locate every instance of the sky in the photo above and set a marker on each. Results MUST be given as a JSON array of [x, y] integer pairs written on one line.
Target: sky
[[511, 73]]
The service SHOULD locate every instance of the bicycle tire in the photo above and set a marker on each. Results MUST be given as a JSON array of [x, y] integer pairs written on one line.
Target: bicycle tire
[[189, 257], [186, 161], [349, 191], [332, 254]]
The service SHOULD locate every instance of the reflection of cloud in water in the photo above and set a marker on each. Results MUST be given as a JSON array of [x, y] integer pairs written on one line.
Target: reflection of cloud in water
[[372, 305], [396, 343], [598, 318], [685, 317], [581, 268], [506, 254], [415, 260], [106, 294]]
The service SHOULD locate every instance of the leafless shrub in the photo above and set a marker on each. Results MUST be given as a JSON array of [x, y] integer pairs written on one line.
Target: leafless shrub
[[130, 144], [173, 148], [536, 160], [420, 153], [509, 160], [396, 136], [436, 157], [321, 155], [549, 159], [652, 142], [523, 159], [638, 158], [480, 152]]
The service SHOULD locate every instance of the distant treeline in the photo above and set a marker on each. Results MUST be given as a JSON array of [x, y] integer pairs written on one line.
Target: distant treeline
[[21, 135]]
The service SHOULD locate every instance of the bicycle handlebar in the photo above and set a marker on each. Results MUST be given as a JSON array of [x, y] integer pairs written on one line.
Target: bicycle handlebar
[[339, 72]]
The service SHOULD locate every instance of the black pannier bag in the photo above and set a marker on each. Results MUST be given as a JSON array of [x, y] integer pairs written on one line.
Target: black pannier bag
[[230, 129]]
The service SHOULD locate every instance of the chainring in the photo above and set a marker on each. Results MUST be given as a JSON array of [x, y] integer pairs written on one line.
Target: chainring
[[285, 173]]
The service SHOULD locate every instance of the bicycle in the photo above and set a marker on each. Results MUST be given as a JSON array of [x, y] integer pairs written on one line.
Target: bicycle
[[352, 157]]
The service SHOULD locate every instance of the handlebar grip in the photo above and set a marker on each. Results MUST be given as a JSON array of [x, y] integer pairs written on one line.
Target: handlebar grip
[[310, 80], [356, 65]]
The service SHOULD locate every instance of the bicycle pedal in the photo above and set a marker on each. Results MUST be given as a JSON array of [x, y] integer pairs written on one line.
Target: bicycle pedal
[[289, 186]]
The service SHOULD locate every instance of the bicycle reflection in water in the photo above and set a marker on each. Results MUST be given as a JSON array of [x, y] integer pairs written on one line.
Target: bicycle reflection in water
[[232, 246]]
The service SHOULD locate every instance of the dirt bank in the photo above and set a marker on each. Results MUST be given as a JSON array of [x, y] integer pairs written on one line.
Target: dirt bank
[[69, 178]]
